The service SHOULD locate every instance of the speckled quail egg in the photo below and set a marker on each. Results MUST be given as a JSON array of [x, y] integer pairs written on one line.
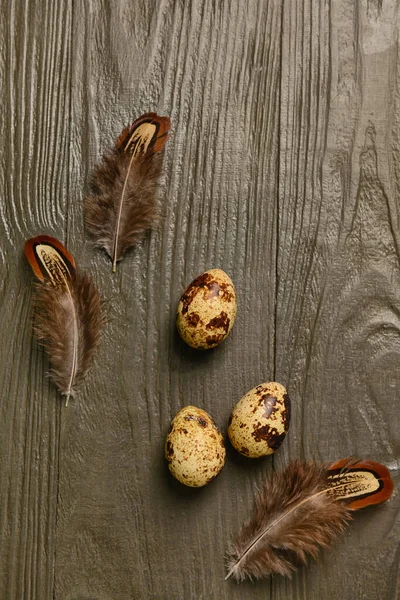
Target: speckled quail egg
[[194, 447], [207, 310], [260, 420]]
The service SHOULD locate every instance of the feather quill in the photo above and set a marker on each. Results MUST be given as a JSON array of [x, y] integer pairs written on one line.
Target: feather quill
[[300, 510], [121, 205], [68, 316]]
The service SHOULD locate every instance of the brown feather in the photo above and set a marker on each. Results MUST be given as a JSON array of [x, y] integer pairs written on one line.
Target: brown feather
[[122, 204], [68, 315], [296, 512]]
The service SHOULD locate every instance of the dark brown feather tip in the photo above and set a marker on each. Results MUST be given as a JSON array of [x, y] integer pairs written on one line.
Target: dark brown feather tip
[[49, 259], [360, 483], [147, 134], [122, 203]]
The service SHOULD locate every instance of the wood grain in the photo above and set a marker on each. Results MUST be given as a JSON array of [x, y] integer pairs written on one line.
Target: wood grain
[[283, 169], [34, 84], [338, 268]]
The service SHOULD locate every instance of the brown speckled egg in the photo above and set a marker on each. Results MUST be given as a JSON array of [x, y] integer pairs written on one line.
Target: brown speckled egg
[[194, 447], [260, 420], [207, 310]]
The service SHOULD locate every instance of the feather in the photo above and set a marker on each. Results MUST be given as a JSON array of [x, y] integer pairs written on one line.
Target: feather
[[68, 316], [121, 205], [300, 510]]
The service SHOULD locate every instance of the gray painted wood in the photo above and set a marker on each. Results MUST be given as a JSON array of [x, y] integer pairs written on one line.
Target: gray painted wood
[[283, 169]]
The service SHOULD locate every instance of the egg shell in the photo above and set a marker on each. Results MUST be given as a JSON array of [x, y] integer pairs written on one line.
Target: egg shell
[[207, 310], [260, 420], [194, 448]]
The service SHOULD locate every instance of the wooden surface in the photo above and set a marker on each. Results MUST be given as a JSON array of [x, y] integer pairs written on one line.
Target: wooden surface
[[284, 170]]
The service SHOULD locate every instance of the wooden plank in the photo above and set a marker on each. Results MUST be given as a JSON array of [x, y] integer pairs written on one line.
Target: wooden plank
[[338, 269], [283, 169], [125, 528], [34, 82]]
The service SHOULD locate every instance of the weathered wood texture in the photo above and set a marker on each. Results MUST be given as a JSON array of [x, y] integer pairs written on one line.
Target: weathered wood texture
[[284, 170]]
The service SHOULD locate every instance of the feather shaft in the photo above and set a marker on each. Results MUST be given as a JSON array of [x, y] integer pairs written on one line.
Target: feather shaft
[[74, 343], [115, 251]]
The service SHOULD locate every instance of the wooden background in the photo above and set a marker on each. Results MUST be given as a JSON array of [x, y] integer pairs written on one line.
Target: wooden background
[[284, 170]]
